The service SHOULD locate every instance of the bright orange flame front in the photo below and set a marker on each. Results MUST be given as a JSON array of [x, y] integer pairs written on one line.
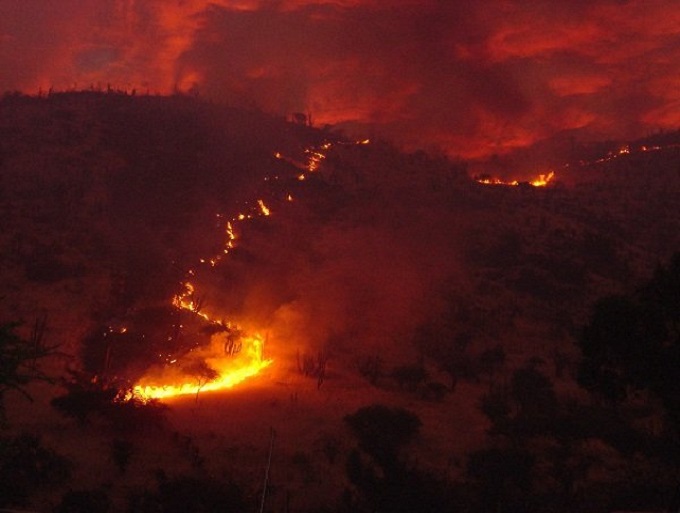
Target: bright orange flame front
[[232, 370]]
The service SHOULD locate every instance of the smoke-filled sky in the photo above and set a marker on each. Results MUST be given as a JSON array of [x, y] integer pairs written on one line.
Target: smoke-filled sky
[[471, 78]]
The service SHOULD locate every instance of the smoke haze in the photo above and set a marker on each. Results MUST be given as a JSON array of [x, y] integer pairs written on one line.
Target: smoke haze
[[471, 79]]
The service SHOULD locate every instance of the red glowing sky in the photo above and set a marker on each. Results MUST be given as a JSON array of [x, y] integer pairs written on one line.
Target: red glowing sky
[[472, 78]]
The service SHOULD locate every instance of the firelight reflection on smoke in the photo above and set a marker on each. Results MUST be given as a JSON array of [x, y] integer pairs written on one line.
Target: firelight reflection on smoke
[[469, 78]]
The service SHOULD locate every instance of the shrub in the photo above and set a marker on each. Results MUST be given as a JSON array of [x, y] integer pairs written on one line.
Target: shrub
[[382, 430], [26, 465]]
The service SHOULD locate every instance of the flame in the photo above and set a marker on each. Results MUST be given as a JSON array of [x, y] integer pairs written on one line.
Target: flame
[[263, 208], [231, 237], [231, 370], [543, 180], [315, 158], [496, 181], [540, 181], [232, 365], [315, 155], [187, 301]]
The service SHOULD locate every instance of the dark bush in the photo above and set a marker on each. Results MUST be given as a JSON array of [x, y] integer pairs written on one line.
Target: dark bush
[[84, 501], [120, 408], [382, 430], [25, 466], [189, 494]]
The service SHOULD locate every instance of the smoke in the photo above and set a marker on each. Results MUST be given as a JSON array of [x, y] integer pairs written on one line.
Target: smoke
[[349, 272], [470, 78]]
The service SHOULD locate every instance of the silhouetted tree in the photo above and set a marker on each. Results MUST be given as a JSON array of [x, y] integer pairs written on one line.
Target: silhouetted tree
[[85, 396], [19, 359], [202, 372], [632, 343], [385, 482]]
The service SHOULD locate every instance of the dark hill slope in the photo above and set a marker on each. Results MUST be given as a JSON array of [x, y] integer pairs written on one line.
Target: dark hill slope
[[378, 243]]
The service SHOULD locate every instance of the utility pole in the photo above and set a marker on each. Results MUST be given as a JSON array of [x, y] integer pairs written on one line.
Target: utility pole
[[266, 473]]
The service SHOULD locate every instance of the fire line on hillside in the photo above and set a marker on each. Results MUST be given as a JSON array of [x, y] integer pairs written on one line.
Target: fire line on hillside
[[232, 355]]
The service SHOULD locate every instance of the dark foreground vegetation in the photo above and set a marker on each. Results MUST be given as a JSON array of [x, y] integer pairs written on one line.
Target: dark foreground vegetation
[[549, 318]]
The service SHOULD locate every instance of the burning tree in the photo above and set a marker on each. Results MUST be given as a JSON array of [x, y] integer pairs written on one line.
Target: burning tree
[[203, 373]]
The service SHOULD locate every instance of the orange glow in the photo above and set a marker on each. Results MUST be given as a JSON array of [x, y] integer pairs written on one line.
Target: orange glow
[[315, 158], [232, 370], [540, 181], [231, 357], [263, 208], [231, 237], [496, 181], [543, 180], [186, 301]]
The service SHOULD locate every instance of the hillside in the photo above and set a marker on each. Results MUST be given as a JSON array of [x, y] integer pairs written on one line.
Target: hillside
[[370, 276]]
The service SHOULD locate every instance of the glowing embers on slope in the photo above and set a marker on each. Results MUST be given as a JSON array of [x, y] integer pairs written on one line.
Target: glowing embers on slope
[[540, 181], [623, 150], [315, 155], [188, 300], [263, 208], [231, 356], [208, 369]]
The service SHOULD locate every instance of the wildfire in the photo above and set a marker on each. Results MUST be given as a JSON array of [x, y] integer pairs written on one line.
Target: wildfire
[[315, 155], [543, 180], [540, 181], [232, 356], [220, 371], [231, 237], [263, 208], [315, 158]]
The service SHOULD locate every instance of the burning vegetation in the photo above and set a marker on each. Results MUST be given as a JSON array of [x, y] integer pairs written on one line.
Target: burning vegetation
[[539, 181]]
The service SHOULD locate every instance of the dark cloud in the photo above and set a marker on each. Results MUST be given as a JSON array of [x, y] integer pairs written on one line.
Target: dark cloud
[[473, 78]]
